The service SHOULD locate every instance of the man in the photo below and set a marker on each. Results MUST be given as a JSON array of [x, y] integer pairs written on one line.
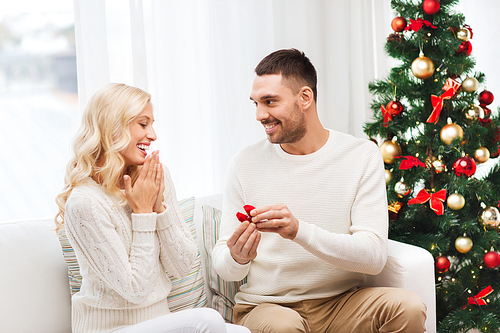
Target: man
[[320, 222]]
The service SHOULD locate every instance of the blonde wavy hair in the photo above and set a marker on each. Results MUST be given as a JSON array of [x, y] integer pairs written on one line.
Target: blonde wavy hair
[[104, 133]]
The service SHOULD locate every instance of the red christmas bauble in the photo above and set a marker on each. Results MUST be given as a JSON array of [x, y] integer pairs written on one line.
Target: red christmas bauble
[[394, 108], [431, 7], [464, 166], [492, 259], [442, 264], [398, 24], [465, 48], [485, 97]]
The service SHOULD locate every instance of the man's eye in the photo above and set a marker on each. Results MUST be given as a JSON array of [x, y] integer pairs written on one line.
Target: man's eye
[[270, 102]]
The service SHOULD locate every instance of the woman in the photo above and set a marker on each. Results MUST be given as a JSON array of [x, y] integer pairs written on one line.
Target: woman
[[120, 212]]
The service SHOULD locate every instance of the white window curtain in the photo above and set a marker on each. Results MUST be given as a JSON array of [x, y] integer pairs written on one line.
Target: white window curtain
[[197, 57]]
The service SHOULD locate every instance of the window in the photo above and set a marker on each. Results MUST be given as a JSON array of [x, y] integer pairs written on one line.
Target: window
[[38, 105]]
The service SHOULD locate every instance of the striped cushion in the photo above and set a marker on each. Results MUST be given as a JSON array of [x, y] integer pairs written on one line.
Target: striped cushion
[[186, 293], [223, 291]]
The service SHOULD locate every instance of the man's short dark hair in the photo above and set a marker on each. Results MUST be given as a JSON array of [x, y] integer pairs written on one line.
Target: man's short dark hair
[[293, 66]]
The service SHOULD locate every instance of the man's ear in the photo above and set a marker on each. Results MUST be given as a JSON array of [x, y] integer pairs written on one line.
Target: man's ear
[[306, 97]]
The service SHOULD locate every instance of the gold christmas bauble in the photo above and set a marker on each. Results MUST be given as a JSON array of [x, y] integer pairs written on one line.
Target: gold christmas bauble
[[432, 162], [388, 176], [481, 155], [422, 67], [402, 189], [463, 34], [474, 112], [470, 84], [390, 149], [455, 201], [450, 132], [463, 244], [490, 217]]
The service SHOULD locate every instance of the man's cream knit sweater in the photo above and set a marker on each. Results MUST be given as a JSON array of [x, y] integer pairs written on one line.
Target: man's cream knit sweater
[[338, 194], [124, 258]]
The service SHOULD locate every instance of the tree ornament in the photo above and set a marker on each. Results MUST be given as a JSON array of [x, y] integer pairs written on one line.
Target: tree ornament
[[451, 131], [398, 24], [474, 112], [390, 149], [464, 166], [422, 67], [402, 189], [470, 84], [463, 244], [465, 48], [491, 259], [394, 210], [388, 176], [435, 200], [394, 107], [486, 97], [442, 264], [431, 7], [481, 155], [455, 201], [490, 217], [463, 34], [487, 112]]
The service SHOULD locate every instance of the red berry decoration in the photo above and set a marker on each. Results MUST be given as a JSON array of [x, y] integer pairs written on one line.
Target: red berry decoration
[[464, 166], [442, 264], [431, 7], [491, 259], [245, 217], [398, 24], [394, 108], [485, 98]]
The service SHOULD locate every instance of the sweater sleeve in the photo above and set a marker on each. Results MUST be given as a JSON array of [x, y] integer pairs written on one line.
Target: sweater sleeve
[[365, 249], [94, 238], [224, 264], [178, 250]]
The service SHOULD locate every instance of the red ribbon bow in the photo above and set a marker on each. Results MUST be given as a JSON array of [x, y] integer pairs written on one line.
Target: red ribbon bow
[[387, 115], [417, 24], [478, 299], [437, 104], [409, 162], [436, 200], [466, 26]]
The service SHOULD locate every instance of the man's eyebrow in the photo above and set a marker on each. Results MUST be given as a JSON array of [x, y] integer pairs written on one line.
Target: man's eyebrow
[[262, 98]]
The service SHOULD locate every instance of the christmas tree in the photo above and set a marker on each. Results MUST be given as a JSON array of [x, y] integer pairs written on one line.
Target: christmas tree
[[434, 128]]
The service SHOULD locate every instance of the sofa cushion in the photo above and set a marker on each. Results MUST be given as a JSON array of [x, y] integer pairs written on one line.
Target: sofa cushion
[[223, 291], [186, 293]]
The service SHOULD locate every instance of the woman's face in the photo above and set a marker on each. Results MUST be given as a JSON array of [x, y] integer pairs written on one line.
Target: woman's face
[[141, 136]]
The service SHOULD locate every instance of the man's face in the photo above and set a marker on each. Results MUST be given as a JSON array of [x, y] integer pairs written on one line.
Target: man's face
[[278, 109]]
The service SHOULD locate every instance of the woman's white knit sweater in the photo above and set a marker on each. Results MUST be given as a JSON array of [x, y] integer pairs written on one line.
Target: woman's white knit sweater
[[338, 194], [124, 258]]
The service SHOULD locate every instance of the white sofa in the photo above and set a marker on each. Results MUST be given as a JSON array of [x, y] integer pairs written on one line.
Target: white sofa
[[35, 297]]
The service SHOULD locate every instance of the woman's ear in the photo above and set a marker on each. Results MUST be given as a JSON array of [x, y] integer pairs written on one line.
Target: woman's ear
[[306, 97]]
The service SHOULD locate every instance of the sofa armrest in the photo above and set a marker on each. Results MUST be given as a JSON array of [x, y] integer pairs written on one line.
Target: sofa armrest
[[34, 292], [412, 268]]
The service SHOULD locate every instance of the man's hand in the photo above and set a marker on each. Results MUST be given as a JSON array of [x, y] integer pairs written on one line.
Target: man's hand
[[277, 219], [243, 243]]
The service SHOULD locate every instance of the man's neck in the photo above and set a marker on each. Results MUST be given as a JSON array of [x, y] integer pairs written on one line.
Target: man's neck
[[311, 142]]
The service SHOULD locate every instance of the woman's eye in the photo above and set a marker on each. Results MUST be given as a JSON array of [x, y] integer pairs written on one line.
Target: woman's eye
[[144, 125]]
